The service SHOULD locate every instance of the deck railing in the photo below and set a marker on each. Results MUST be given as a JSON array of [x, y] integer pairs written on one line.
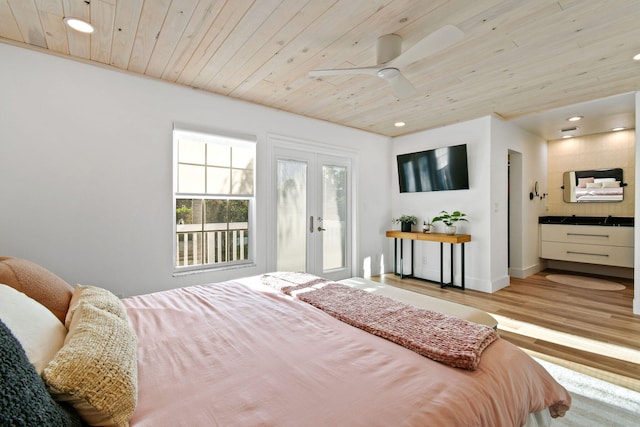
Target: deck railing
[[212, 246]]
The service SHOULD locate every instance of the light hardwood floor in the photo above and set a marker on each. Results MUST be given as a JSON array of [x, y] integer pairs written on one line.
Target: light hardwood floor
[[594, 332]]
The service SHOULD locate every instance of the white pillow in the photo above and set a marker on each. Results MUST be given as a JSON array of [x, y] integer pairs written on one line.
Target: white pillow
[[604, 180], [594, 185], [611, 184], [38, 329]]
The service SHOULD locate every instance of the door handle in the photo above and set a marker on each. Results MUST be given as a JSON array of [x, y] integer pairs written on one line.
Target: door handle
[[322, 229], [311, 224], [320, 224]]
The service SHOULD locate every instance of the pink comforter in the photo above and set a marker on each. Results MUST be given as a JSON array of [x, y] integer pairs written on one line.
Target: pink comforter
[[229, 354]]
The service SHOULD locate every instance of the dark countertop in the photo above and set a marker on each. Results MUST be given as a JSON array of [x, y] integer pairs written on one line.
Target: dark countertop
[[613, 221]]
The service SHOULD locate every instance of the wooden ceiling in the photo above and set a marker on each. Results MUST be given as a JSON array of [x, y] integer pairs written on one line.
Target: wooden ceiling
[[517, 57]]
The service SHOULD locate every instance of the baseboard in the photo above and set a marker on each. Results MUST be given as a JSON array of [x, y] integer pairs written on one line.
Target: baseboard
[[602, 270], [522, 273], [503, 282], [486, 286]]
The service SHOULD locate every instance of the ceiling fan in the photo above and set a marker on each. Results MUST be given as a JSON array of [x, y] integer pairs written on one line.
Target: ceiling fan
[[391, 59]]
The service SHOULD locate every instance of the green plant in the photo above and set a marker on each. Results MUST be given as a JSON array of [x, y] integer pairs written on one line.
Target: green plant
[[405, 219], [450, 219], [183, 214]]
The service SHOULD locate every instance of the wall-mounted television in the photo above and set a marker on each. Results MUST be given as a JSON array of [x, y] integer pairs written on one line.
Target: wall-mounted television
[[439, 169]]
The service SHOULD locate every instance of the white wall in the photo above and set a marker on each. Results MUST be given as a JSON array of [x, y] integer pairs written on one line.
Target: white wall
[[489, 141], [529, 153], [474, 202], [86, 170]]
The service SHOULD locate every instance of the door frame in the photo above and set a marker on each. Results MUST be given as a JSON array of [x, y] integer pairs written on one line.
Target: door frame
[[278, 142]]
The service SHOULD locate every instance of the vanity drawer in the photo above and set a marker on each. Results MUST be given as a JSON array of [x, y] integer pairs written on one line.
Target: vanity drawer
[[587, 234], [593, 254]]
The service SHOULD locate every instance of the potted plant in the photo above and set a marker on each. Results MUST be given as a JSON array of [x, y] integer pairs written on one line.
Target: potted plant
[[450, 219], [406, 221]]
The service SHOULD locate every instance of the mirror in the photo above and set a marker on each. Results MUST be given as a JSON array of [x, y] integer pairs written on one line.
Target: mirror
[[596, 185]]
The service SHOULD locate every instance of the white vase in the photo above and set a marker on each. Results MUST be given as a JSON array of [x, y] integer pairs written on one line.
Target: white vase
[[450, 229]]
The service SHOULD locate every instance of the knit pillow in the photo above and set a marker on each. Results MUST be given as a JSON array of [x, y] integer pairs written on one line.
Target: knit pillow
[[38, 283], [96, 370], [99, 298], [24, 400]]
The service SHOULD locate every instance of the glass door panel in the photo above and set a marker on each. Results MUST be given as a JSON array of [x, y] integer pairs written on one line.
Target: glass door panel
[[334, 217], [291, 216]]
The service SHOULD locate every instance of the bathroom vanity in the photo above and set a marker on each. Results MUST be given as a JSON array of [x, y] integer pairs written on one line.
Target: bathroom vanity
[[594, 240]]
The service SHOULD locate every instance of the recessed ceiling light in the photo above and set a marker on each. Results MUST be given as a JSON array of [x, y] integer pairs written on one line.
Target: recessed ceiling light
[[575, 118], [567, 136], [637, 57], [399, 124], [617, 129], [79, 25]]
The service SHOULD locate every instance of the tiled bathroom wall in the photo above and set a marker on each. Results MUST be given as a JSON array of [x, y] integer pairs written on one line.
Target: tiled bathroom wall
[[601, 151]]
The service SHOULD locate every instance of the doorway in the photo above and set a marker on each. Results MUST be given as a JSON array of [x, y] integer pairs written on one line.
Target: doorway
[[312, 213], [515, 231]]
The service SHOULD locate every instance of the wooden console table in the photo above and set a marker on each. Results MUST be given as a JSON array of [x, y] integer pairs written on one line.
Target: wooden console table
[[452, 239]]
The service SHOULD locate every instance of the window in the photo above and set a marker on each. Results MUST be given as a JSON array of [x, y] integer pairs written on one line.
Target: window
[[214, 200]]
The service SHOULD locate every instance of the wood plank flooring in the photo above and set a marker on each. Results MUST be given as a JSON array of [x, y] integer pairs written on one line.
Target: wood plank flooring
[[591, 331]]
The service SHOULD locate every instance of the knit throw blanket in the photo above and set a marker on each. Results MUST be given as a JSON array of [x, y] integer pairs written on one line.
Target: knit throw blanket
[[446, 339]]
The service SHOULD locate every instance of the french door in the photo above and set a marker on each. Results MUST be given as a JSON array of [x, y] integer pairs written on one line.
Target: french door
[[313, 215]]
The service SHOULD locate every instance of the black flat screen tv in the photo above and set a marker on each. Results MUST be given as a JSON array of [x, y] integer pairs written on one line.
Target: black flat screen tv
[[439, 169]]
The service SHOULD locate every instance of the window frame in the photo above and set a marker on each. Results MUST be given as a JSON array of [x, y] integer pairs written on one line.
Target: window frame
[[233, 140]]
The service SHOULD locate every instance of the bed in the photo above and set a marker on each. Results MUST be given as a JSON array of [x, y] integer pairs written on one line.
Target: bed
[[597, 185], [248, 353], [600, 194]]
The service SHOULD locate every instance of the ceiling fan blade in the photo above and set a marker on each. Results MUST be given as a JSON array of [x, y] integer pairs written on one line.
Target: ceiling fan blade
[[433, 43], [363, 70], [402, 87]]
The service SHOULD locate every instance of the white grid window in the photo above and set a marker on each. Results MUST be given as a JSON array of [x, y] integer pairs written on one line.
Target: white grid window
[[214, 183]]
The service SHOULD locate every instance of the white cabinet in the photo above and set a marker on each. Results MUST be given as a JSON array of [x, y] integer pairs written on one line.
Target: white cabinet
[[606, 245]]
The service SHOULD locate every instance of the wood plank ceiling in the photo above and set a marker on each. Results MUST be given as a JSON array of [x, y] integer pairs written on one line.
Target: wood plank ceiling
[[517, 57]]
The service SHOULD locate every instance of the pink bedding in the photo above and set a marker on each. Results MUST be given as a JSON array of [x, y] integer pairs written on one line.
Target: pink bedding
[[242, 354], [599, 193]]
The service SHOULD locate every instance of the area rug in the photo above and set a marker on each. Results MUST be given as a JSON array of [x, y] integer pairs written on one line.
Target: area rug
[[585, 282], [595, 402]]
